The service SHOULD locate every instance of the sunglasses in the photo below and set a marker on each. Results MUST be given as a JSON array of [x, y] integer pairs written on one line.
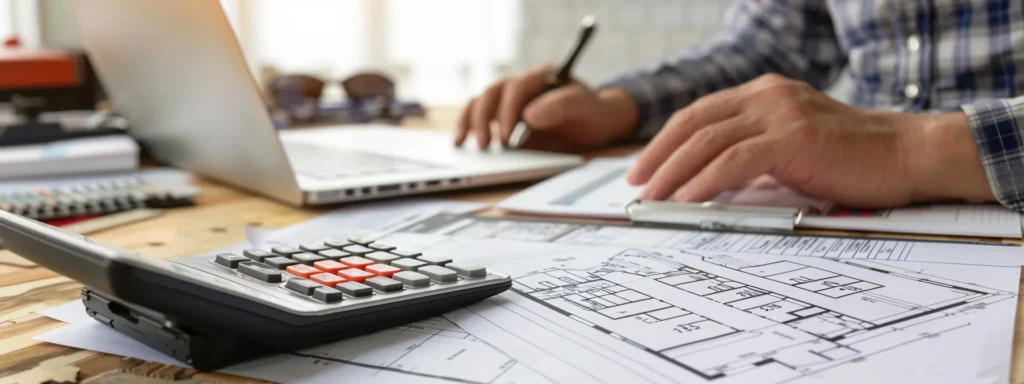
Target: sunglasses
[[296, 98]]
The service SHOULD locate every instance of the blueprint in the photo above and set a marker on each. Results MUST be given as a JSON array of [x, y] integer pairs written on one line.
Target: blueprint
[[613, 304]]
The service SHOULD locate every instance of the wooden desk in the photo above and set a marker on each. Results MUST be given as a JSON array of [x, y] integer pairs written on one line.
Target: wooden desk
[[217, 221]]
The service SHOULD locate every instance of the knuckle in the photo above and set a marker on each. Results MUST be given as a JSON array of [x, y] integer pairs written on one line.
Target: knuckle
[[770, 78], [707, 137]]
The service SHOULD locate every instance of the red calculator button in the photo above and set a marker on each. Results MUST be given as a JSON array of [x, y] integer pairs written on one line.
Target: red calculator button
[[302, 270], [356, 262], [330, 266], [356, 275], [327, 279], [382, 270]]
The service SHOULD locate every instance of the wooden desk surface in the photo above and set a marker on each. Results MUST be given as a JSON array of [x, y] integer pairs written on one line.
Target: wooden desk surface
[[217, 221]]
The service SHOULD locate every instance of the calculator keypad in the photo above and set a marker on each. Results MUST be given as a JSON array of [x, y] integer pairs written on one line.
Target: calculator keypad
[[331, 270]]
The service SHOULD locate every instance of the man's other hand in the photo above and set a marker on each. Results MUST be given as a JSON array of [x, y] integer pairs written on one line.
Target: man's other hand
[[570, 118], [811, 143]]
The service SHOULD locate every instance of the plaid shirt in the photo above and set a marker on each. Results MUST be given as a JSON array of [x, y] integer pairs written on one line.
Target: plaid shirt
[[904, 55]]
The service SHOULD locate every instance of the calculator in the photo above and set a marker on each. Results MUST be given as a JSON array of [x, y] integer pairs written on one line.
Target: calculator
[[210, 311]]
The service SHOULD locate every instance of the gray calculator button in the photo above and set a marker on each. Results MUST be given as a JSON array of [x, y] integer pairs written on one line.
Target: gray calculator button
[[355, 289], [380, 246], [384, 284], [314, 247], [435, 259], [334, 254], [327, 294], [382, 257], [335, 243], [405, 252], [412, 279], [257, 254], [307, 258], [360, 240], [302, 286], [261, 272], [439, 274], [357, 249], [280, 262], [407, 264], [285, 251], [229, 260], [468, 270]]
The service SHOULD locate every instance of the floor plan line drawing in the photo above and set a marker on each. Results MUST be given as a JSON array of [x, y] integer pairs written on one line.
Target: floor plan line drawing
[[428, 349], [730, 313], [816, 337]]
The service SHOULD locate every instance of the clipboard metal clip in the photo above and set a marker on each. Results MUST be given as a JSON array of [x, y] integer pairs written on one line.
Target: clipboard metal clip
[[712, 216]]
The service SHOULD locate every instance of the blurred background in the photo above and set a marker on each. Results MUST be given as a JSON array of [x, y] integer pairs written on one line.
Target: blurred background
[[438, 52]]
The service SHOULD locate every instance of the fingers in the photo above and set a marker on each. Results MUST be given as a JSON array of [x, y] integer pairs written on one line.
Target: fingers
[[705, 111], [462, 130], [516, 94], [739, 163], [693, 155], [559, 106], [483, 113]]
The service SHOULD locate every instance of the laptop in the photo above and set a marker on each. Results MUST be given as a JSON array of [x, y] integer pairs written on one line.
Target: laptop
[[176, 71]]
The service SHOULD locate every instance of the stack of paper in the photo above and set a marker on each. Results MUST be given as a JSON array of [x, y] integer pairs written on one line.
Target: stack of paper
[[68, 157]]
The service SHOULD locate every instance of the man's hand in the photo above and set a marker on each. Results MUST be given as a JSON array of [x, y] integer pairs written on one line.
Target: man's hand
[[811, 143], [569, 118]]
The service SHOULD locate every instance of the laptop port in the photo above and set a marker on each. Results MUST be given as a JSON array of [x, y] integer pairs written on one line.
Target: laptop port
[[366, 190], [389, 188], [454, 181], [412, 185], [433, 183]]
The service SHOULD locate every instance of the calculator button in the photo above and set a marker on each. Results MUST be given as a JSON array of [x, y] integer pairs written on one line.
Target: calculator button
[[327, 279], [280, 262], [229, 260], [468, 270], [302, 286], [302, 270], [257, 254], [384, 284], [380, 246], [327, 295], [356, 275], [435, 259], [356, 262], [307, 258], [260, 272], [412, 279], [382, 270], [330, 266], [405, 252], [334, 254], [313, 247], [285, 251], [407, 264], [335, 243], [382, 257], [355, 289], [439, 274], [357, 249], [360, 240]]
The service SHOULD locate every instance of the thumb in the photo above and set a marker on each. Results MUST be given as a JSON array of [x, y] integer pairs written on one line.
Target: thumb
[[559, 106]]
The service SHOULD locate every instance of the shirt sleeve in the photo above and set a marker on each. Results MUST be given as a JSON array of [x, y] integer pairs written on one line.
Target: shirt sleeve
[[794, 38], [998, 127]]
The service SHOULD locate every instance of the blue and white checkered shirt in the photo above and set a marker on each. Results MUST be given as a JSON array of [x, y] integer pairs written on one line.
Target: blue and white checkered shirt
[[905, 55]]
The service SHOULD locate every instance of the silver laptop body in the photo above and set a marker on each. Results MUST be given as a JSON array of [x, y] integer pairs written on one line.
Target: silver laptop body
[[176, 71]]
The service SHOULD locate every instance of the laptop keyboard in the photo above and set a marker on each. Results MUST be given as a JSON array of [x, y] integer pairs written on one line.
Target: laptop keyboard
[[328, 163]]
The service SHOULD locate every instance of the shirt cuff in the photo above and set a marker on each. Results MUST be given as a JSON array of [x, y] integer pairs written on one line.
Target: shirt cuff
[[998, 126]]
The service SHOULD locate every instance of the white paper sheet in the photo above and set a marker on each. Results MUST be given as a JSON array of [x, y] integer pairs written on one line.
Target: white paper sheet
[[599, 189], [705, 315]]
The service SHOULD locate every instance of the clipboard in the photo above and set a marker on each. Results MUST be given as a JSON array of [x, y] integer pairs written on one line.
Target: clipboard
[[712, 216]]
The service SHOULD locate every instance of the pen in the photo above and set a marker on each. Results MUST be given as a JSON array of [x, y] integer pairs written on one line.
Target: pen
[[560, 77]]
